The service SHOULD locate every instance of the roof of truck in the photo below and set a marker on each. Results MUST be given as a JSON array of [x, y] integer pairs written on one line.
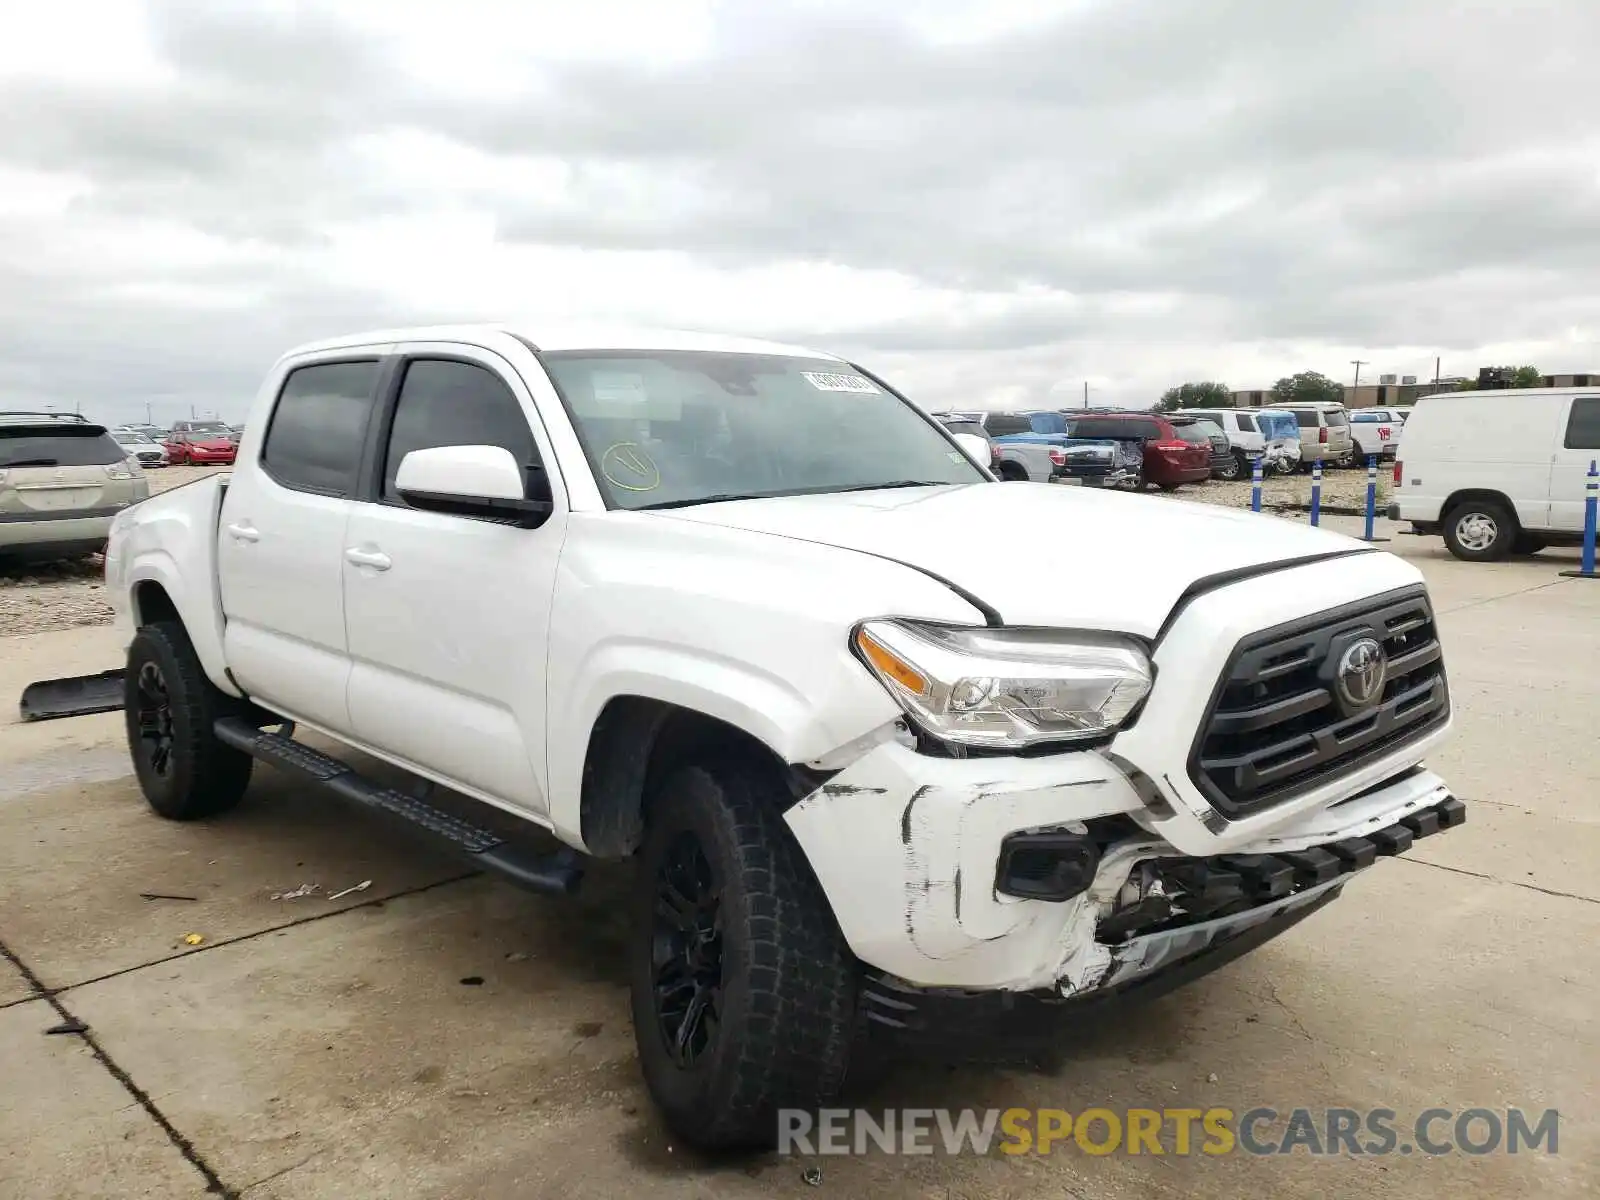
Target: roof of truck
[[565, 337]]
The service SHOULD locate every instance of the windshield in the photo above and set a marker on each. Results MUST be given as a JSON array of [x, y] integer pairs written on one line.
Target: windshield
[[206, 428], [675, 427], [82, 446]]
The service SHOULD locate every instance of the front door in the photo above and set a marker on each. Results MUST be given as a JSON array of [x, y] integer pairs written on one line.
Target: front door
[[449, 615], [1577, 445], [280, 552]]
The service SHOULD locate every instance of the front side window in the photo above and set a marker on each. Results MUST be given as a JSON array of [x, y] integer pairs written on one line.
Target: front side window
[[448, 403], [665, 428], [1583, 424], [314, 441]]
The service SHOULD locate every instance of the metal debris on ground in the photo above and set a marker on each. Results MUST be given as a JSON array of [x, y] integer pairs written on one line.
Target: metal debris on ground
[[305, 889], [360, 887], [164, 896], [812, 1176], [73, 1026]]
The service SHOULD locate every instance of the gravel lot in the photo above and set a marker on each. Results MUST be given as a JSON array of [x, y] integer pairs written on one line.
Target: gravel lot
[[36, 597]]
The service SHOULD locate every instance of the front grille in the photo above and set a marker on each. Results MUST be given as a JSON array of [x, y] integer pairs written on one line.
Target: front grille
[[1277, 725]]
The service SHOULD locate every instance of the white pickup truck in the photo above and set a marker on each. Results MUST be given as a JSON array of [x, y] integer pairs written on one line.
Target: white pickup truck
[[889, 775]]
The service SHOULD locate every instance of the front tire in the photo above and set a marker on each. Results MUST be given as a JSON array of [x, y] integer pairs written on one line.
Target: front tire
[[170, 709], [1480, 531], [1236, 467], [743, 987]]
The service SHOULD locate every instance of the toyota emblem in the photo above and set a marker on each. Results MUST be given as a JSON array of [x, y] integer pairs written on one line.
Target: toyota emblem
[[1363, 670]]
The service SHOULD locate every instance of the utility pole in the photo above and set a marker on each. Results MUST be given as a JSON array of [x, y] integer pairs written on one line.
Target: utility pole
[[1359, 363], [1086, 393], [148, 419], [1436, 368]]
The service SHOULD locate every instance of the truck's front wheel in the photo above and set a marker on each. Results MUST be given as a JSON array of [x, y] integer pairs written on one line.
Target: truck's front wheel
[[171, 708], [743, 988]]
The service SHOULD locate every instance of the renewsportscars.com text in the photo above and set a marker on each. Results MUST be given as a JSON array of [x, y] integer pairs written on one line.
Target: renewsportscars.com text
[[1175, 1131]]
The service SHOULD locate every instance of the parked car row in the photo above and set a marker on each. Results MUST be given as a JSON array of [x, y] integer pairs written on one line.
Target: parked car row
[[1134, 449]]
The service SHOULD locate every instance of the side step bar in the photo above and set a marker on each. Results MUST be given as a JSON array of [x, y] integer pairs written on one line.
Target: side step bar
[[558, 873], [74, 696]]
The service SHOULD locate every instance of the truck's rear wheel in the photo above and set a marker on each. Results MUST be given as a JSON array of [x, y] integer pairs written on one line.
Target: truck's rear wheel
[[171, 709], [743, 988]]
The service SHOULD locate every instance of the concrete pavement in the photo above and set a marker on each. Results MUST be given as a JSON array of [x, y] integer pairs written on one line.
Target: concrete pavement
[[441, 1035]]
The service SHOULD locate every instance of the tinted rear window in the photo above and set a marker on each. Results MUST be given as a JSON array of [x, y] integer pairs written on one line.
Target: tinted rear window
[[971, 427], [1113, 427], [1335, 417], [1192, 432], [88, 447], [314, 441], [1001, 424], [1583, 424], [1246, 422]]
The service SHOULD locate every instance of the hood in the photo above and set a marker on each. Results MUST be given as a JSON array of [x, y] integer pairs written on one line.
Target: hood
[[1038, 554], [213, 443]]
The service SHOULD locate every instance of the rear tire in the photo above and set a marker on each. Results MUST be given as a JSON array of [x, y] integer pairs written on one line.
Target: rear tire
[[170, 709], [743, 987], [1236, 467], [1010, 472], [1480, 531], [1167, 487]]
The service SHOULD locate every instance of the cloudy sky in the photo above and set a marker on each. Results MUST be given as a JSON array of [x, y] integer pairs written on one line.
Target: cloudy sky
[[992, 201]]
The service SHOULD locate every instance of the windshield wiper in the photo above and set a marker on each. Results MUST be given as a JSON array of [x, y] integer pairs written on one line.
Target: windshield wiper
[[31, 462], [894, 483], [717, 498]]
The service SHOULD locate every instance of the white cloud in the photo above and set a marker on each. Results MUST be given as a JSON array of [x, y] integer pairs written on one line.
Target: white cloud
[[992, 203]]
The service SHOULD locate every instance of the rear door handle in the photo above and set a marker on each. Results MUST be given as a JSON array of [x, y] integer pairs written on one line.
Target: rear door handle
[[375, 559], [244, 532]]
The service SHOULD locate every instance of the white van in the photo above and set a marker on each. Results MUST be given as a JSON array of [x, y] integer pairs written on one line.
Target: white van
[[1498, 472]]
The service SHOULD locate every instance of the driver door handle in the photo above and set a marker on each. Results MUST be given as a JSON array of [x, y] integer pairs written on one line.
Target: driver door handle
[[244, 533], [375, 559]]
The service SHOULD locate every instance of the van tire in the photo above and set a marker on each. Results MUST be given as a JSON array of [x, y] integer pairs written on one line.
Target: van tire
[[1480, 531], [171, 709], [776, 974], [1529, 543]]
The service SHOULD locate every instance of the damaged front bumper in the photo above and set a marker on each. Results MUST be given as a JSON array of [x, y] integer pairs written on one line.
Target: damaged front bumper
[[910, 851]]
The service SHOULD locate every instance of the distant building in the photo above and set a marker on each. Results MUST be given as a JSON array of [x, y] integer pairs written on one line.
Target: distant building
[[1592, 379], [1386, 393]]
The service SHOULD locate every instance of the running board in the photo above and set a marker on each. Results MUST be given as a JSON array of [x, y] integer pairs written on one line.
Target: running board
[[557, 874], [75, 696]]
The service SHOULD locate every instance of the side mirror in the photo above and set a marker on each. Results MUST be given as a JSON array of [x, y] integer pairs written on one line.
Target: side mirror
[[470, 481]]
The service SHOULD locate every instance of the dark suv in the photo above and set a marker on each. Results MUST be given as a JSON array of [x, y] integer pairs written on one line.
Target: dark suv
[[1169, 459]]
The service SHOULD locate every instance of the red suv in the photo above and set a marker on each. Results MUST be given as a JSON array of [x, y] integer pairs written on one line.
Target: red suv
[[1169, 460]]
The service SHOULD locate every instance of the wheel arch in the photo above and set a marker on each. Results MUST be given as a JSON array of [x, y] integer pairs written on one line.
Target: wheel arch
[[1480, 495], [636, 741]]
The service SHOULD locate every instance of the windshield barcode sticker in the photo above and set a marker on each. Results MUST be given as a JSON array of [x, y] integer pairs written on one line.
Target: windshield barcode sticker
[[825, 382]]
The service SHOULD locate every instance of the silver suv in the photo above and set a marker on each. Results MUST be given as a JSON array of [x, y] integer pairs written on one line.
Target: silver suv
[[1324, 433], [62, 479]]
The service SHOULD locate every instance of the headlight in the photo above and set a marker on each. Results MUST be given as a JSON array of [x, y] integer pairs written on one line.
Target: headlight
[[1006, 687]]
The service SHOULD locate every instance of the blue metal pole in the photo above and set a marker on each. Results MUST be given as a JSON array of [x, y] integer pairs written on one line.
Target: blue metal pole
[[1255, 486], [1316, 492], [1591, 502], [1372, 494]]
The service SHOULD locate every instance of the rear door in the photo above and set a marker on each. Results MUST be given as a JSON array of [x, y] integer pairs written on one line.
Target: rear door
[[1577, 445], [281, 546]]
